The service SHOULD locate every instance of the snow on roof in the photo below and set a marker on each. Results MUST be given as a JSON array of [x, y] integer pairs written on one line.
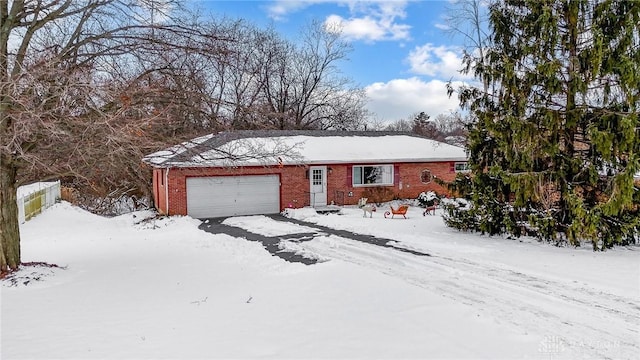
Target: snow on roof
[[161, 156], [305, 147]]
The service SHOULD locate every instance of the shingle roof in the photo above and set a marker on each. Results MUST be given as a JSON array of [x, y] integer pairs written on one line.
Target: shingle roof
[[264, 147]]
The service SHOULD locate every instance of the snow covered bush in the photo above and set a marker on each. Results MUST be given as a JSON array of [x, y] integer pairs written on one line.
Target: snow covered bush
[[428, 198]]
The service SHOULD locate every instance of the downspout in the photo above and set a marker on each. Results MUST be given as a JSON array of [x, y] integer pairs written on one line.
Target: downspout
[[166, 190]]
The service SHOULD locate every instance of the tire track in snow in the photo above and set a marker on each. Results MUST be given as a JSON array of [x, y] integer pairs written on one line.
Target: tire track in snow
[[558, 310]]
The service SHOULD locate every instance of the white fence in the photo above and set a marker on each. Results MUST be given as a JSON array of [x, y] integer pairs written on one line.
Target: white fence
[[34, 198]]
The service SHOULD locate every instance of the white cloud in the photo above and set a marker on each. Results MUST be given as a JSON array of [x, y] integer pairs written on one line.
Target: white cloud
[[279, 9], [399, 98], [372, 21], [441, 61], [367, 20], [368, 28], [443, 27]]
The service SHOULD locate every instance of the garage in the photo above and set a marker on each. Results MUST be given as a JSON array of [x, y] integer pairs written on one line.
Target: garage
[[219, 196]]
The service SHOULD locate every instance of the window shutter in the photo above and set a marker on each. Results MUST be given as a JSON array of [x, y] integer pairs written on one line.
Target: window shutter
[[396, 175], [349, 176], [452, 167]]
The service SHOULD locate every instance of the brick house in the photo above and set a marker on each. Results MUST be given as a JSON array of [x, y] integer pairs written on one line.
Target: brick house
[[262, 172]]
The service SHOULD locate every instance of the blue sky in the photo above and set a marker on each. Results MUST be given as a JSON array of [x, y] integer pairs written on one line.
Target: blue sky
[[401, 55]]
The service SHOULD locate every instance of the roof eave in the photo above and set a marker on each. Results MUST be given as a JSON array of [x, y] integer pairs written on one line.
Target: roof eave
[[169, 164], [380, 161]]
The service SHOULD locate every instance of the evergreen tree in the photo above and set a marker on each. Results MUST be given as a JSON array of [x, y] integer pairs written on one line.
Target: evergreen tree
[[422, 125], [555, 143]]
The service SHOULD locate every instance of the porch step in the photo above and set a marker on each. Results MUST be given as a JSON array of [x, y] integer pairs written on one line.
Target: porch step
[[328, 209]]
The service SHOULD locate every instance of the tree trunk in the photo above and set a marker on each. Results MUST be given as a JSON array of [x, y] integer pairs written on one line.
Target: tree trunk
[[567, 139], [9, 228]]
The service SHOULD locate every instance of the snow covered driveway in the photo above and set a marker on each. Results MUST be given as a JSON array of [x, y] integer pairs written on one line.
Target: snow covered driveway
[[567, 311], [164, 289], [518, 286]]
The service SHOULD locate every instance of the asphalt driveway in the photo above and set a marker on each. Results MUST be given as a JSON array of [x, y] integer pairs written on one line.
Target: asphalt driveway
[[272, 243]]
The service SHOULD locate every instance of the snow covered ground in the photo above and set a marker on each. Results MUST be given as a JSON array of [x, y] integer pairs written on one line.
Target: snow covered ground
[[165, 289]]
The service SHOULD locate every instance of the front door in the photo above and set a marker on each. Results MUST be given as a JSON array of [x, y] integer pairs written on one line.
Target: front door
[[318, 185]]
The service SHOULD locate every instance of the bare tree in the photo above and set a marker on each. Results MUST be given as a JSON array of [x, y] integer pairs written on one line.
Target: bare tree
[[399, 125], [303, 87], [257, 79], [469, 20], [275, 80], [323, 97], [241, 76], [62, 113], [87, 88], [453, 128]]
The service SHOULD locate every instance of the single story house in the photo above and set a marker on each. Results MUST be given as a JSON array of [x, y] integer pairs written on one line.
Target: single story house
[[264, 171]]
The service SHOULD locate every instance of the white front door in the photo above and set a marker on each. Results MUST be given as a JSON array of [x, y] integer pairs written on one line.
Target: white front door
[[318, 185]]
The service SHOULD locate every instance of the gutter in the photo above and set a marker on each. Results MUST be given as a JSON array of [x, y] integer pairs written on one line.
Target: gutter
[[323, 162]]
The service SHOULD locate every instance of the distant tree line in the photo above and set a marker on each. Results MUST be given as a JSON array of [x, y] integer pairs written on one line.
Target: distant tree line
[[448, 128]]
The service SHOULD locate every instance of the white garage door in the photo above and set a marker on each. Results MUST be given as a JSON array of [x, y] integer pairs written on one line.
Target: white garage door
[[219, 196]]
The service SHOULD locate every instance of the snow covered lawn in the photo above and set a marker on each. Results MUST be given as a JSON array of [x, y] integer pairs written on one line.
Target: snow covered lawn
[[165, 289]]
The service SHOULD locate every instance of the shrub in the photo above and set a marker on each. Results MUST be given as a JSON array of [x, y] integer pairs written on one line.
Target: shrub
[[378, 194], [428, 198]]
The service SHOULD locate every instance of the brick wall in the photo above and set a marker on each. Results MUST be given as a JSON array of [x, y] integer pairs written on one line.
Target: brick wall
[[292, 179], [159, 192], [408, 184], [294, 189]]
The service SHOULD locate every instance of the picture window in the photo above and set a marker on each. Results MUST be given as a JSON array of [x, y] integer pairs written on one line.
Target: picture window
[[368, 175]]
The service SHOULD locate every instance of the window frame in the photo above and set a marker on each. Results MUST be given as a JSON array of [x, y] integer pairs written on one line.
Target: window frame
[[353, 175], [464, 163], [314, 178]]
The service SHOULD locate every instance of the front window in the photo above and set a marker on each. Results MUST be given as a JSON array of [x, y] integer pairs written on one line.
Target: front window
[[462, 167], [372, 175]]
